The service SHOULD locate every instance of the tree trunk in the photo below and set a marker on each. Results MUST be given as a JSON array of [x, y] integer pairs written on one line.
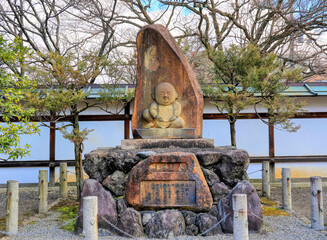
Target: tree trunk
[[78, 157], [232, 133]]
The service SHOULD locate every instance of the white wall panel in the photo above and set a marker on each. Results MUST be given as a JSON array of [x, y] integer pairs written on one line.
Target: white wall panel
[[310, 139]]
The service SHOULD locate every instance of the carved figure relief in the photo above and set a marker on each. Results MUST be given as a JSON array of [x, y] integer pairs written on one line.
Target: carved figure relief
[[165, 111]]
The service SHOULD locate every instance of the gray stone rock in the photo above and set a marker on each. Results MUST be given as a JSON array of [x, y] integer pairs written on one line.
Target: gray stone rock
[[122, 160], [191, 230], [207, 158], [225, 207], [146, 216], [96, 166], [116, 183], [214, 210], [219, 191], [210, 176], [145, 154], [189, 217], [206, 221], [131, 223], [232, 167], [166, 224], [121, 205], [106, 205]]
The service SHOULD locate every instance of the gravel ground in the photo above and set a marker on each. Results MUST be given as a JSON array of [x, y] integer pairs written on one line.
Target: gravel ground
[[300, 200], [275, 228], [282, 227], [28, 201]]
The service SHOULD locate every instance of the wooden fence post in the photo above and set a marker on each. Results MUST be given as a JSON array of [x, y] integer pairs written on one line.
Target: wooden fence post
[[287, 189], [317, 214], [63, 180], [12, 206], [240, 220], [265, 179], [90, 217], [43, 191]]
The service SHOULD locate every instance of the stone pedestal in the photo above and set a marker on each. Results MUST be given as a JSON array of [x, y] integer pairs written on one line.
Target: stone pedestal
[[167, 143]]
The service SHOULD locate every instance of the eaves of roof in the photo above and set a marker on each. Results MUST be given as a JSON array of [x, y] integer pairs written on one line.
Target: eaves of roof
[[309, 89]]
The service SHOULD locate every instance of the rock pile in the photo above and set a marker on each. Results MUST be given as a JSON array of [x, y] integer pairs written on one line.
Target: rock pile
[[223, 169]]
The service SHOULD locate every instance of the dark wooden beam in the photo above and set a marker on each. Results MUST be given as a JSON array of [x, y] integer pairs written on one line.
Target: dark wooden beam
[[278, 159], [127, 121], [213, 116], [290, 159], [206, 116], [106, 117], [271, 137], [52, 154], [42, 163]]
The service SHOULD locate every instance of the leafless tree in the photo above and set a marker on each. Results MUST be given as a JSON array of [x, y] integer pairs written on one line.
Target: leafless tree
[[294, 29], [62, 27], [71, 42]]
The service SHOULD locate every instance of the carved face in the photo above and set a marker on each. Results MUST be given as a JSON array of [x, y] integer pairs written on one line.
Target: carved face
[[165, 94]]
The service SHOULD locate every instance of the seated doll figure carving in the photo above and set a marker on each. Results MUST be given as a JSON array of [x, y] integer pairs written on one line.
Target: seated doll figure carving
[[165, 111]]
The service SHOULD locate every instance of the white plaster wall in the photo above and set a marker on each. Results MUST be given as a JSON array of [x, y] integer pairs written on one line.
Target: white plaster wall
[[312, 104], [298, 170], [105, 134], [22, 175], [310, 139], [39, 145], [315, 104], [252, 135]]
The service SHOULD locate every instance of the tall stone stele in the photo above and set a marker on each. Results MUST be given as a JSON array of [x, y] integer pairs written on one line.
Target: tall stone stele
[[168, 98]]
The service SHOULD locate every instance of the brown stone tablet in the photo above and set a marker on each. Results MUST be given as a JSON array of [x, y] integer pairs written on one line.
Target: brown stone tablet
[[168, 99], [168, 180]]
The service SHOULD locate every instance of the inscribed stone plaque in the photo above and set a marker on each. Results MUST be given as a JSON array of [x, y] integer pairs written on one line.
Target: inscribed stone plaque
[[169, 193], [168, 99], [168, 180]]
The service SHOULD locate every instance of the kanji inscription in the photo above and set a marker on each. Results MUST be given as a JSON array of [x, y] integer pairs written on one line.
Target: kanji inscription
[[168, 193], [168, 167], [168, 180]]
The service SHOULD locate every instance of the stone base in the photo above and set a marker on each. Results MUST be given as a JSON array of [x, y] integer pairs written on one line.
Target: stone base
[[167, 143], [170, 133], [222, 168]]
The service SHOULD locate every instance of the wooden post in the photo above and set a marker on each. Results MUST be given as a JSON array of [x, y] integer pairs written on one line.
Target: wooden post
[[317, 214], [43, 191], [272, 151], [63, 180], [287, 189], [52, 154], [12, 207], [90, 217], [265, 179], [240, 220], [127, 120]]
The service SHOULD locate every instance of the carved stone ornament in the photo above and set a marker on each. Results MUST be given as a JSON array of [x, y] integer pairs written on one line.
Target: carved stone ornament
[[165, 111], [168, 99]]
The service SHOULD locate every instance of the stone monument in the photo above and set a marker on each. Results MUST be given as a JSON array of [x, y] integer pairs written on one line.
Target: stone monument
[[168, 99], [168, 180]]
